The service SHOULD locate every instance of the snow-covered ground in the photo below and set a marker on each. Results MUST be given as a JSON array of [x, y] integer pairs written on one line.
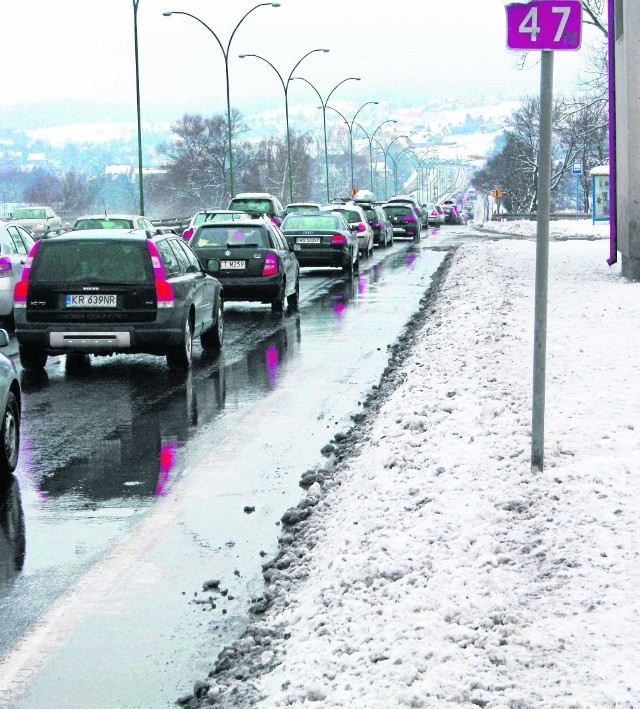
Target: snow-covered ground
[[436, 569]]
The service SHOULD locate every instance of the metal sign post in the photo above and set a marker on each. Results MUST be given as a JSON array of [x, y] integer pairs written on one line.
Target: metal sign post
[[577, 171], [544, 25]]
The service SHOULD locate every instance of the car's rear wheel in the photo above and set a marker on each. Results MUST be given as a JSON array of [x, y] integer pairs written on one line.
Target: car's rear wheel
[[10, 436], [32, 357], [213, 338], [292, 300], [277, 304], [179, 357]]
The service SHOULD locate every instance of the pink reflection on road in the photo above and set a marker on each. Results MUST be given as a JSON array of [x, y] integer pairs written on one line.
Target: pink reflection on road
[[168, 450], [272, 357]]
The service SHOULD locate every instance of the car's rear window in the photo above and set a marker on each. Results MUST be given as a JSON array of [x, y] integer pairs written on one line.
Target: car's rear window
[[351, 216], [397, 210], [91, 261], [29, 214], [83, 224], [230, 236], [204, 217], [311, 222], [294, 208], [252, 205]]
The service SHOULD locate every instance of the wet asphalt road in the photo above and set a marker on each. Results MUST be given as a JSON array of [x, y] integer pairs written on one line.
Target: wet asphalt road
[[134, 481]]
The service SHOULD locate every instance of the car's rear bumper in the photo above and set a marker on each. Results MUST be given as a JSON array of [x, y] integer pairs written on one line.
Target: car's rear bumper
[[91, 338], [262, 288], [323, 256]]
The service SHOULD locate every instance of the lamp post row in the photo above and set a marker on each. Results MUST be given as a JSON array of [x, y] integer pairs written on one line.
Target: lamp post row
[[285, 86]]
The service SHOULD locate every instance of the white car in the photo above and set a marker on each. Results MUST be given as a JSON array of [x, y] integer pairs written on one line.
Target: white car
[[358, 223], [15, 244], [36, 220]]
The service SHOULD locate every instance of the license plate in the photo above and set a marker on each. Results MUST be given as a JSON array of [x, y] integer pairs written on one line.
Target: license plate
[[233, 265], [309, 240], [92, 300], [397, 229]]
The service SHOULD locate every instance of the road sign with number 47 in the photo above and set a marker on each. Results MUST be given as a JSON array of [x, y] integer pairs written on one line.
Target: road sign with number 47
[[544, 25]]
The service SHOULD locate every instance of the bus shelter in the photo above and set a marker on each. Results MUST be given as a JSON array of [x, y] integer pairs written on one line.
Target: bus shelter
[[600, 193]]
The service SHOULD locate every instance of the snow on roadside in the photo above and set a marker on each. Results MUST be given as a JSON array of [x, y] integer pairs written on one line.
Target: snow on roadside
[[559, 229], [436, 569]]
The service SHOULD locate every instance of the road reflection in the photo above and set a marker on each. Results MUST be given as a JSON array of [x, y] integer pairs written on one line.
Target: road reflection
[[12, 532], [113, 428]]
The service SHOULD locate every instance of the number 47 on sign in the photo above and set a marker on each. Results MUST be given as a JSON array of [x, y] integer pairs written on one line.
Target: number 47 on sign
[[544, 25]]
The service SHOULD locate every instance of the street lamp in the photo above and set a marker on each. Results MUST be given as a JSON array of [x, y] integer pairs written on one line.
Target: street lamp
[[324, 120], [135, 49], [350, 127], [371, 138], [285, 86], [225, 54], [386, 152]]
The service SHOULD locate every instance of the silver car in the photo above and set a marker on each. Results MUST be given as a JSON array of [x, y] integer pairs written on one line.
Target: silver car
[[10, 403], [15, 244], [36, 220]]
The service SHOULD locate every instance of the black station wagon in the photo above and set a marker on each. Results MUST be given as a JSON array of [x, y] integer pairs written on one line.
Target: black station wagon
[[96, 292]]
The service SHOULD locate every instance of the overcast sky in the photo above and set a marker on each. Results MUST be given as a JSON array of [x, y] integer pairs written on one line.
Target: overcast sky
[[80, 49]]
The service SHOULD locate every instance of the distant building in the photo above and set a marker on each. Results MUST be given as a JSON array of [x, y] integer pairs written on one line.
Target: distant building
[[115, 171]]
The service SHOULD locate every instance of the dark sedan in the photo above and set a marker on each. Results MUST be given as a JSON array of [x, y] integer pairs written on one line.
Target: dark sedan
[[379, 222], [252, 260], [322, 239], [404, 218]]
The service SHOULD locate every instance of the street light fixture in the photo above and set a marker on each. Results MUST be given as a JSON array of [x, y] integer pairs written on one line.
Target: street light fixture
[[324, 120], [350, 127], [371, 138], [285, 86], [386, 152], [225, 54], [135, 49]]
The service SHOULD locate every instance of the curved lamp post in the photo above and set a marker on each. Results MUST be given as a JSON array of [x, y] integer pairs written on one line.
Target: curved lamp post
[[371, 138], [386, 152], [225, 54], [324, 119], [285, 87], [395, 162], [350, 127], [135, 50]]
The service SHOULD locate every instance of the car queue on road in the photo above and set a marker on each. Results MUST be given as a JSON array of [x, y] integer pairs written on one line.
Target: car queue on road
[[117, 284]]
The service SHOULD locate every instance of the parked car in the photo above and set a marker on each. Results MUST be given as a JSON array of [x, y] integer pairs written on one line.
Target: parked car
[[440, 211], [100, 292], [10, 406], [379, 223], [211, 215], [252, 260], [322, 238], [113, 221], [259, 204], [358, 222], [405, 219], [408, 199], [15, 244], [36, 220], [301, 207]]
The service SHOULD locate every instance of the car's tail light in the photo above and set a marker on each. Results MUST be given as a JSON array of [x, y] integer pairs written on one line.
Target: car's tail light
[[376, 225], [276, 220], [187, 233], [6, 267], [164, 289], [270, 267], [361, 227], [22, 286], [338, 239], [409, 218]]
